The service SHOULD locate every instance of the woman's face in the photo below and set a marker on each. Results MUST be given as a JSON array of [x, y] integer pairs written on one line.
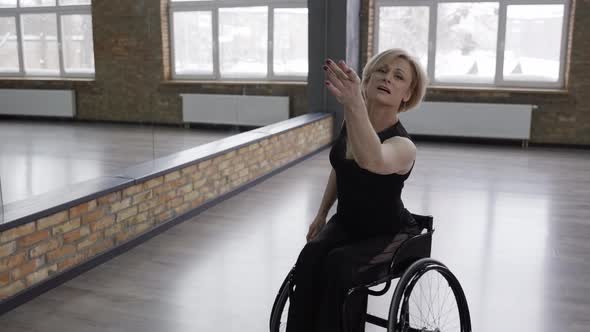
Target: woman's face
[[390, 84]]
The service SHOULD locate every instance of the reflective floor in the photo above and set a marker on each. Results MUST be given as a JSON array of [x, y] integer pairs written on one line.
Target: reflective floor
[[37, 157], [512, 224]]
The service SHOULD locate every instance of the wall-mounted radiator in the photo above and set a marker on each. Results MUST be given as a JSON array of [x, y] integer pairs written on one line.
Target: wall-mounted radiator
[[504, 121], [234, 109], [60, 103]]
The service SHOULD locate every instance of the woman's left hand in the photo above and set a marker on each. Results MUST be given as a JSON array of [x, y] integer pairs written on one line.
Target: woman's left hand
[[344, 84]]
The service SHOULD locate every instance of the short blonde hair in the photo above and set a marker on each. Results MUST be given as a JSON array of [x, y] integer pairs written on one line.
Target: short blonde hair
[[419, 80]]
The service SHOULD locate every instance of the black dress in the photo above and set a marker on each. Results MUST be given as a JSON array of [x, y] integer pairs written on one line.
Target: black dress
[[369, 203], [354, 247]]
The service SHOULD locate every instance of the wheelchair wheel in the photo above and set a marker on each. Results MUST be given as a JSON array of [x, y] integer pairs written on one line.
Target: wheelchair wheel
[[280, 308], [429, 298]]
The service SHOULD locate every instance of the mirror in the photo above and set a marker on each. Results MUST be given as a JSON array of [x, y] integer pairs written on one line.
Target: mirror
[[103, 101]]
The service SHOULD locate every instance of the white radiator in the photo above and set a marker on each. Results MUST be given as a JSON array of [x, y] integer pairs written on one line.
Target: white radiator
[[59, 103], [508, 121], [234, 109]]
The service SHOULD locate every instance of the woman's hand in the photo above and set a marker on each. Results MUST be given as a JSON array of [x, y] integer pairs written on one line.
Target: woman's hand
[[344, 84], [316, 226]]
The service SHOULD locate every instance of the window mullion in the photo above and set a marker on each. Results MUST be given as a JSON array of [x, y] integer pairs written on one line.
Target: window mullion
[[270, 43], [20, 40], [376, 20], [432, 26], [501, 44], [215, 29], [60, 45], [564, 43], [171, 43]]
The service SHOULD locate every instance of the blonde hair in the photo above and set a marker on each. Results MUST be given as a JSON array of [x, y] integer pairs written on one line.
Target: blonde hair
[[419, 77]]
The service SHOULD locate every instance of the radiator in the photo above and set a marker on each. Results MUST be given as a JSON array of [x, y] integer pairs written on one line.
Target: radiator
[[504, 121], [234, 109], [60, 103]]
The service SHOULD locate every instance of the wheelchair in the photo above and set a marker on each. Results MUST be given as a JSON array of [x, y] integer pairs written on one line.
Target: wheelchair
[[427, 297]]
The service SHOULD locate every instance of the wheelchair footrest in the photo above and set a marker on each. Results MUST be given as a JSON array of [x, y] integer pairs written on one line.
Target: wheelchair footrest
[[376, 320]]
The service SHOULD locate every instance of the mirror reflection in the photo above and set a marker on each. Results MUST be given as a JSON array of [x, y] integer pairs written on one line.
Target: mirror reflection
[[89, 95]]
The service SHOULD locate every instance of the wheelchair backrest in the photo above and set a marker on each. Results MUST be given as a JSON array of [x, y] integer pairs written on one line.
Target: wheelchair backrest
[[425, 222]]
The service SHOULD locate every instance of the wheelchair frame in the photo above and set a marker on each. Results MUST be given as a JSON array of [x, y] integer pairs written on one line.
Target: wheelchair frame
[[413, 249], [410, 259]]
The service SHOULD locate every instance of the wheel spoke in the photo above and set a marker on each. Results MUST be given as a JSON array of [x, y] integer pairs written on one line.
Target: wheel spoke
[[430, 310], [451, 326], [438, 297], [441, 313], [434, 309], [430, 294], [422, 320], [443, 303], [455, 325], [446, 315], [418, 307], [446, 297], [423, 296]]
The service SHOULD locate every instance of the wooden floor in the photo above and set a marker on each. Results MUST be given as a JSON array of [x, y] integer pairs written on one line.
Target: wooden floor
[[512, 224], [37, 157]]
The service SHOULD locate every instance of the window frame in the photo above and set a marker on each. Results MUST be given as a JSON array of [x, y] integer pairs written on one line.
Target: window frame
[[59, 11], [499, 80], [213, 6]]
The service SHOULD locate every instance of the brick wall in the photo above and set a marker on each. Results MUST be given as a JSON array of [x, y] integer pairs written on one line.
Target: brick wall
[[366, 34], [38, 250], [562, 117], [569, 121]]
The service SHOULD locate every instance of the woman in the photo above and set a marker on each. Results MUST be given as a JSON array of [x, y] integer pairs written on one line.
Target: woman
[[371, 159]]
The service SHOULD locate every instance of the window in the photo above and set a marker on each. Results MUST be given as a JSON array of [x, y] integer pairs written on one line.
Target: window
[[407, 26], [466, 37], [506, 43], [46, 38], [243, 49], [239, 40], [193, 40], [539, 61]]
